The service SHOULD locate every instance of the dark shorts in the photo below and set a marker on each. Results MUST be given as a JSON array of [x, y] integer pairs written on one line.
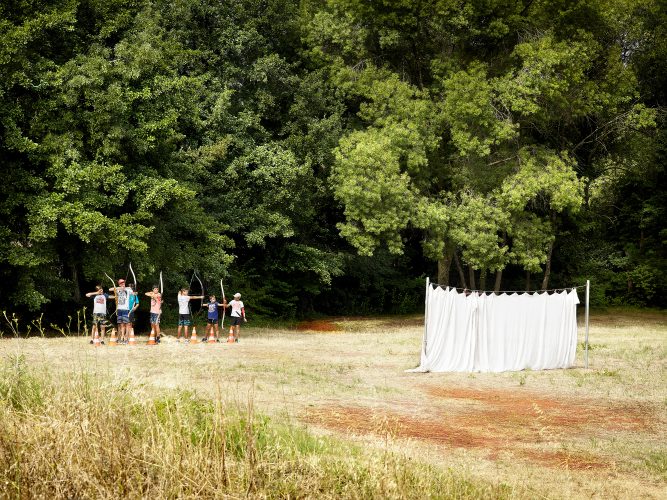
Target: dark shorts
[[236, 320], [122, 317], [212, 321], [155, 319], [184, 320], [100, 319]]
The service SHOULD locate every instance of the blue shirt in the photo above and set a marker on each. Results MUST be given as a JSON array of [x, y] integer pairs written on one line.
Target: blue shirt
[[213, 310], [134, 300]]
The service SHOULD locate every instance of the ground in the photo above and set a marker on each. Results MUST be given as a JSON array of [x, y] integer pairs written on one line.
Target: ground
[[597, 432]]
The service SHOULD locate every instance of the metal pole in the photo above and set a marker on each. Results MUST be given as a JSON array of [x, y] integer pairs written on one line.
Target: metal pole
[[588, 293], [428, 287]]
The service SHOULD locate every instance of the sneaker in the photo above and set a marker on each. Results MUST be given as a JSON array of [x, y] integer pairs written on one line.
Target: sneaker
[[236, 340], [91, 342], [102, 342]]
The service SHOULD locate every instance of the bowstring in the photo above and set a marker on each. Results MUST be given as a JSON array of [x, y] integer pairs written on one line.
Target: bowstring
[[189, 289], [201, 288], [115, 298]]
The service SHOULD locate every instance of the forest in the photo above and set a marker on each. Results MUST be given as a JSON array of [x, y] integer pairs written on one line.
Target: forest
[[325, 157]]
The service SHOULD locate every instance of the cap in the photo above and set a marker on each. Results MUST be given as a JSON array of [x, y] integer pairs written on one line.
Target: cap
[[237, 295], [121, 281]]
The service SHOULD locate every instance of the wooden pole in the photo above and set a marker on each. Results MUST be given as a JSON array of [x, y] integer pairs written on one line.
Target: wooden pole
[[588, 289], [428, 288]]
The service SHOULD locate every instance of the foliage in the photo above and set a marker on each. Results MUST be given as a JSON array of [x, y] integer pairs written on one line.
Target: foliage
[[270, 142]]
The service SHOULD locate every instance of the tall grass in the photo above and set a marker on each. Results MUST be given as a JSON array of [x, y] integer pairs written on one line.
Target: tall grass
[[83, 436]]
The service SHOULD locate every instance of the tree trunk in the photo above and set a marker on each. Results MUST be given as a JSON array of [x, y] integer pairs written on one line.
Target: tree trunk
[[482, 279], [471, 277], [528, 281], [547, 268], [499, 277], [459, 268], [445, 264], [75, 282]]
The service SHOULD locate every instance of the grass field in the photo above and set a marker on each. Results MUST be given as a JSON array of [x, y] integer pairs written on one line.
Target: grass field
[[357, 424]]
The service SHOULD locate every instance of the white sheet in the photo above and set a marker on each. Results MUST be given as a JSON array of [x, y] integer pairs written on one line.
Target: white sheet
[[495, 333]]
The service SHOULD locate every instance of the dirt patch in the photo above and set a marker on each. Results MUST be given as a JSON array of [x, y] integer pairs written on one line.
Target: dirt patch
[[495, 421], [359, 323], [510, 408], [566, 460], [318, 326], [385, 423]]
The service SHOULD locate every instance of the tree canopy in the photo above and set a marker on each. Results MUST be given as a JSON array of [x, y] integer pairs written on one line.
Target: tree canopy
[[325, 156]]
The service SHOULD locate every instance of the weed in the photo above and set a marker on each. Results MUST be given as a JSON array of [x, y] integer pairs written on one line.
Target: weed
[[656, 461], [85, 437]]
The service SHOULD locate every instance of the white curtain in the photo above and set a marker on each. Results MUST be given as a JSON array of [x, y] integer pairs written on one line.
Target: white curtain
[[494, 333]]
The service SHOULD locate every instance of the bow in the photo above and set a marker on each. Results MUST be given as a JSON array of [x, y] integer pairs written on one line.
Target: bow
[[134, 277], [201, 286], [115, 292], [224, 309], [161, 284]]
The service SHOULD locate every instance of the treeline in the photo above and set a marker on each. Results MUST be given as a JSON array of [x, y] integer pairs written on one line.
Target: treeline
[[326, 156]]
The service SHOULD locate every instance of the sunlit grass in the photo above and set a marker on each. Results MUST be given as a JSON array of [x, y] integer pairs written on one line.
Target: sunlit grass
[[284, 373], [82, 436]]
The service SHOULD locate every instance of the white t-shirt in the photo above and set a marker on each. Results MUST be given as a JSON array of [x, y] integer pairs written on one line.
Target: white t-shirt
[[183, 304], [123, 298], [237, 305], [100, 303]]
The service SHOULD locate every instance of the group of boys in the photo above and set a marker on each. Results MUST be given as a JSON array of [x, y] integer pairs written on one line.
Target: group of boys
[[127, 302]]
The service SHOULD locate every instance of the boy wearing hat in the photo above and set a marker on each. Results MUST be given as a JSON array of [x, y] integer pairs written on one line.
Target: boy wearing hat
[[122, 309], [237, 315]]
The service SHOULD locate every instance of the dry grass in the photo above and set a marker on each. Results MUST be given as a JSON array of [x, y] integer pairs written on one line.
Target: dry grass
[[83, 437], [561, 433]]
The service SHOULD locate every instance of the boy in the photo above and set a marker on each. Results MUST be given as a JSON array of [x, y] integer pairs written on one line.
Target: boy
[[122, 310], [184, 316], [212, 319], [99, 312], [133, 306], [238, 313], [156, 310]]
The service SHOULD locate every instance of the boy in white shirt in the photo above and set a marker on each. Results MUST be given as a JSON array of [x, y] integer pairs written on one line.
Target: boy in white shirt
[[184, 316], [99, 312], [236, 316], [123, 309]]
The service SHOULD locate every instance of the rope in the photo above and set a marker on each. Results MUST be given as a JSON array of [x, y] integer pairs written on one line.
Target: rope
[[509, 291]]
